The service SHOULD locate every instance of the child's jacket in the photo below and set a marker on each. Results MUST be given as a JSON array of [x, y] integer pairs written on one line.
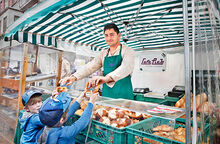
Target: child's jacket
[[31, 126]]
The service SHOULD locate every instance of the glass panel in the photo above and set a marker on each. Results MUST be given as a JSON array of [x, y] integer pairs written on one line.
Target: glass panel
[[207, 67]]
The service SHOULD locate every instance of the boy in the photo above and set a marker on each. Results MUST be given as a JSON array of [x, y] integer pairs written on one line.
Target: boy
[[55, 112], [29, 119]]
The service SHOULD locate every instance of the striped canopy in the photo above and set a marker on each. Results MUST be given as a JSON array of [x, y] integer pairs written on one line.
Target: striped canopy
[[151, 24]]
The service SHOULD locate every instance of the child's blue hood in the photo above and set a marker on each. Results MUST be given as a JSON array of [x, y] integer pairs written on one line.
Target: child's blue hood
[[24, 119]]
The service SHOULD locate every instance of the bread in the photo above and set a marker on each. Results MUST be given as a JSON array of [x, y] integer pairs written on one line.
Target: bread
[[134, 121], [90, 88], [204, 107], [204, 97], [180, 138], [114, 123], [146, 116], [121, 113], [200, 99], [101, 112], [79, 112], [61, 89], [83, 104], [123, 122], [151, 141], [112, 114], [135, 115], [164, 128], [105, 120], [180, 102]]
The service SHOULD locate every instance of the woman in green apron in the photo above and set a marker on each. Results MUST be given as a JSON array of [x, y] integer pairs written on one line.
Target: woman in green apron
[[118, 64]]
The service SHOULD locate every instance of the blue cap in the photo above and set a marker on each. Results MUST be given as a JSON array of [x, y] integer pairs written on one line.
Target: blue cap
[[52, 109], [27, 95]]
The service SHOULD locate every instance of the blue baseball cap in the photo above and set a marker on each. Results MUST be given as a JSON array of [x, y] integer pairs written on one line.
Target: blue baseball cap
[[52, 109], [28, 94]]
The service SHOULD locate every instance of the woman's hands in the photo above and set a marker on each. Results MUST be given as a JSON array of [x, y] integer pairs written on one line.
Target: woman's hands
[[68, 80], [98, 80]]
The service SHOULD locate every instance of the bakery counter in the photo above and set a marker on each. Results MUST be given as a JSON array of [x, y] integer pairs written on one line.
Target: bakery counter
[[112, 117]]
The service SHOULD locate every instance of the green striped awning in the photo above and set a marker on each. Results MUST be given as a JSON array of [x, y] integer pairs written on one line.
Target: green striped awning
[[151, 24]]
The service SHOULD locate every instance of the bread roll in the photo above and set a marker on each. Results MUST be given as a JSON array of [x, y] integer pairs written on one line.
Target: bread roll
[[121, 113], [204, 107], [204, 97], [198, 101], [79, 112], [134, 121], [83, 104], [112, 114], [105, 120], [90, 88], [146, 116], [180, 138], [123, 122], [164, 128], [114, 123], [101, 112], [135, 115], [178, 104]]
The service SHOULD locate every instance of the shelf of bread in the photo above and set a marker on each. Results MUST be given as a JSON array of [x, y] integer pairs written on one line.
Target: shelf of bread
[[201, 102], [145, 108], [121, 112], [112, 116]]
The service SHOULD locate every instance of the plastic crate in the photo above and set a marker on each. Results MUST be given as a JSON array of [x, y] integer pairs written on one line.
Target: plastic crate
[[140, 97], [142, 133], [182, 121], [106, 134], [80, 139], [102, 133]]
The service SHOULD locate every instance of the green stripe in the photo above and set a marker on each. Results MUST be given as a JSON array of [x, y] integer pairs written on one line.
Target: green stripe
[[42, 40], [25, 37], [16, 36], [41, 14], [34, 39], [49, 41]]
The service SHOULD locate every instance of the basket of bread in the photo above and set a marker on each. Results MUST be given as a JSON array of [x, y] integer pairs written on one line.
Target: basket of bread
[[156, 130], [201, 102], [114, 117]]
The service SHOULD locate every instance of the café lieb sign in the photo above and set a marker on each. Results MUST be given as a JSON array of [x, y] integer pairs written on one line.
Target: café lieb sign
[[153, 61]]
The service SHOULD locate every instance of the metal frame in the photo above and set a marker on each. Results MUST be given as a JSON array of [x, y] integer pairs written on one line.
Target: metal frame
[[187, 72]]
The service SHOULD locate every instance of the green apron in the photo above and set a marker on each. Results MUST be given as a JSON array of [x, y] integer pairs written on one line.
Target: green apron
[[123, 87]]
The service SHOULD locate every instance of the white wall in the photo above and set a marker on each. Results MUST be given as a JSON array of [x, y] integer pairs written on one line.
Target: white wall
[[161, 82]]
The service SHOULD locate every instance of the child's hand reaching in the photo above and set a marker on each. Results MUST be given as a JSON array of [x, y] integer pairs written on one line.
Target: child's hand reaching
[[54, 94], [81, 97], [93, 98]]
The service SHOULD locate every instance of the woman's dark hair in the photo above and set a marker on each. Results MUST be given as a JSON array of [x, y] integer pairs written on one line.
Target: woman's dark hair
[[111, 26]]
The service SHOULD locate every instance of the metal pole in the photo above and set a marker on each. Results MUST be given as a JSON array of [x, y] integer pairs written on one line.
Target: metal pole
[[187, 71], [194, 137]]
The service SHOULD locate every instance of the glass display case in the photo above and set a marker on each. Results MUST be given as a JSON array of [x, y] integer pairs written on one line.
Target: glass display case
[[148, 108]]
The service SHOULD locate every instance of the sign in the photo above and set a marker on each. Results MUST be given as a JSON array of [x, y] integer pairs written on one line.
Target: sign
[[153, 61]]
